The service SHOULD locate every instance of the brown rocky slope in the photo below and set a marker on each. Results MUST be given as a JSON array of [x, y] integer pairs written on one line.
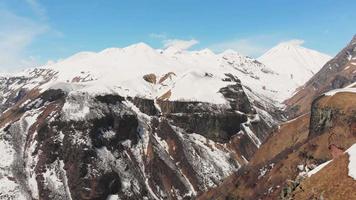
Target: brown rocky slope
[[324, 129]]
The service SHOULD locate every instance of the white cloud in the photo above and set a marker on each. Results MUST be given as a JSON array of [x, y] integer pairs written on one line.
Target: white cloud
[[16, 34], [180, 44], [247, 46]]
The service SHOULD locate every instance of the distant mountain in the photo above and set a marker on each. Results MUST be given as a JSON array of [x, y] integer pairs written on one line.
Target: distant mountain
[[294, 63]]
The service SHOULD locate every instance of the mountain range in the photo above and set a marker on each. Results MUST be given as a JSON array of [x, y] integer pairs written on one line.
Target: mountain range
[[144, 123]]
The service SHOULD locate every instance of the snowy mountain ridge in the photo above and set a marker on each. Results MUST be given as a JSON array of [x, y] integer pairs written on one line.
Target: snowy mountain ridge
[[122, 70], [203, 71]]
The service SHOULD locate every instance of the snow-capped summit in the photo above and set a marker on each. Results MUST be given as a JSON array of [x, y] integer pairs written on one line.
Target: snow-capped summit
[[295, 63]]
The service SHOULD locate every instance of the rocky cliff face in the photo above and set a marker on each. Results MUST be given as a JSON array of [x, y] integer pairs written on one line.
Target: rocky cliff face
[[70, 144]]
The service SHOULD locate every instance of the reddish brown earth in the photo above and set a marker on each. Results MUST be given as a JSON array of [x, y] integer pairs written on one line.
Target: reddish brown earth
[[331, 182]]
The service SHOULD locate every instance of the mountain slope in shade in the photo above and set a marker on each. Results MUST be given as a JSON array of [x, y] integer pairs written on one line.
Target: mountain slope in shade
[[294, 63]]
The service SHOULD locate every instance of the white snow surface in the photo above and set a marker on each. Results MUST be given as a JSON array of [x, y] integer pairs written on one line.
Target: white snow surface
[[198, 74], [295, 64], [113, 197], [352, 161], [350, 89]]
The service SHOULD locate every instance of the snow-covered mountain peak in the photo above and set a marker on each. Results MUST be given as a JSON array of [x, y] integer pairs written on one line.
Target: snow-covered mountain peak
[[295, 63]]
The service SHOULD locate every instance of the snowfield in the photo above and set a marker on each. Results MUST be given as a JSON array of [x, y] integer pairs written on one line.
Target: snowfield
[[194, 75]]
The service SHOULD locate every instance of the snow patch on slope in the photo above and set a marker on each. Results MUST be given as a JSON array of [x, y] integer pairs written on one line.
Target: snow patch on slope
[[350, 89], [318, 168]]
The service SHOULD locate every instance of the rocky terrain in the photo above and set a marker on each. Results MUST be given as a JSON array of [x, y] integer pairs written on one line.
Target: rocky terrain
[[65, 140], [310, 156], [187, 125]]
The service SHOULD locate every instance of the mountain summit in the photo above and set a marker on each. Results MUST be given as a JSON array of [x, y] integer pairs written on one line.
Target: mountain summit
[[294, 62]]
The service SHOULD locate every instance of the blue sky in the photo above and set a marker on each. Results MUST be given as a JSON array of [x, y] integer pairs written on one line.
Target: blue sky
[[35, 31]]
